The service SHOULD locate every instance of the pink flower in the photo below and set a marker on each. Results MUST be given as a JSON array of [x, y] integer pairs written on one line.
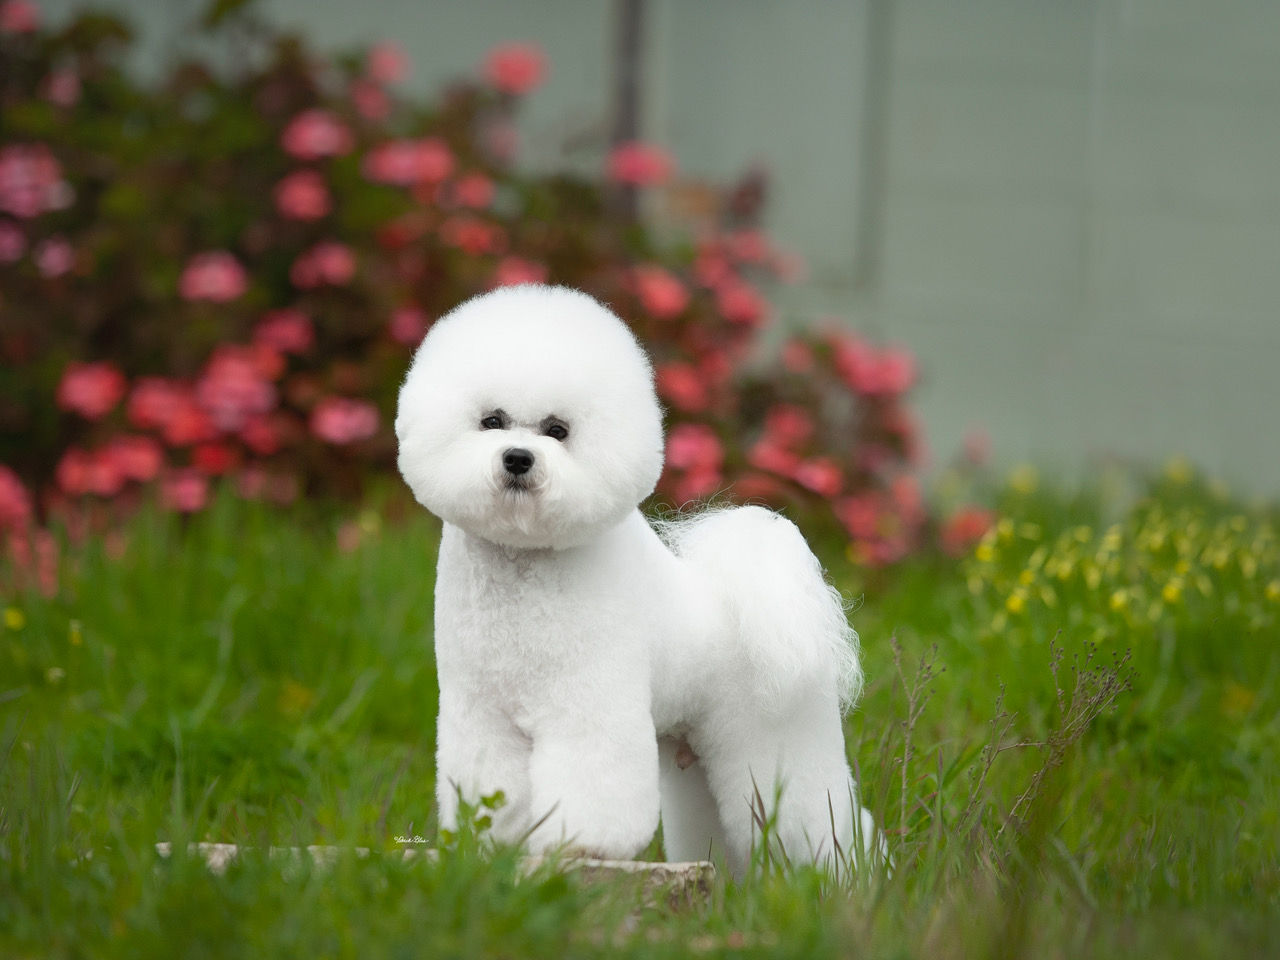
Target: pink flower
[[18, 16], [513, 271], [964, 528], [889, 373], [408, 325], [62, 87], [682, 386], [153, 401], [72, 471], [748, 246], [661, 294], [768, 454], [711, 267], [370, 100], [184, 491], [233, 388], [260, 435], [693, 446], [136, 457], [386, 63], [215, 275], [80, 472], [213, 459], [515, 68], [15, 502], [860, 515], [340, 420], [737, 302], [31, 181], [302, 195], [407, 162], [90, 389], [472, 235], [316, 133], [188, 423], [822, 475], [54, 257], [473, 190], [12, 242], [326, 262], [287, 330], [640, 164], [697, 483], [788, 425]]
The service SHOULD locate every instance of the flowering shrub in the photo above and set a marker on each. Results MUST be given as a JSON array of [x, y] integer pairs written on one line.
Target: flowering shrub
[[226, 276]]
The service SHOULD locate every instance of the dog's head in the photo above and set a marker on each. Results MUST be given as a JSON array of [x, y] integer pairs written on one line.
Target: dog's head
[[529, 418]]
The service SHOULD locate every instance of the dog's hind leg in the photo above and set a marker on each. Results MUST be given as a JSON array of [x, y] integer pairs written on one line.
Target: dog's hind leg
[[691, 828]]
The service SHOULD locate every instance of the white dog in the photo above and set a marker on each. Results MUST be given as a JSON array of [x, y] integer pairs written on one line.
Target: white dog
[[592, 669]]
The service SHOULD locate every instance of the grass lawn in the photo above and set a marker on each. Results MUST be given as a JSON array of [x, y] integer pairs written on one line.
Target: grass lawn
[[265, 677]]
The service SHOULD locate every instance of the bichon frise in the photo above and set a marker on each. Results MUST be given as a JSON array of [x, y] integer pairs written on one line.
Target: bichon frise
[[595, 669]]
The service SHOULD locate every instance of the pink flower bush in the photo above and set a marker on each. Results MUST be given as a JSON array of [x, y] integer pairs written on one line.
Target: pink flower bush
[[660, 292], [90, 389], [287, 330], [339, 420], [513, 271], [408, 162], [282, 388], [328, 262], [15, 502], [215, 275], [515, 68], [640, 164], [31, 181], [315, 134], [303, 195]]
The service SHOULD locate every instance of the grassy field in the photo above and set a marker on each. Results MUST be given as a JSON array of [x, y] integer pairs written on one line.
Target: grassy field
[[265, 678]]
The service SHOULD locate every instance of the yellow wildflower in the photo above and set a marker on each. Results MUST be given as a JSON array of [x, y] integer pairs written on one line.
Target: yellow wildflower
[[1024, 479], [14, 618], [1172, 591], [1016, 602], [1119, 599], [1179, 470]]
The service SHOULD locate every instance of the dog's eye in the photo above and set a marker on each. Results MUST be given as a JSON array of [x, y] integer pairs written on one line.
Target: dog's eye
[[492, 422], [557, 431]]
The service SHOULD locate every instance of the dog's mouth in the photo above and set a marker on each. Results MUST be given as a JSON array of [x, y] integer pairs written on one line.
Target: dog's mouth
[[517, 485]]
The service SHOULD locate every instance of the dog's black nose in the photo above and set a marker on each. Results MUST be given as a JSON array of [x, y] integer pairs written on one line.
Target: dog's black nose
[[517, 460]]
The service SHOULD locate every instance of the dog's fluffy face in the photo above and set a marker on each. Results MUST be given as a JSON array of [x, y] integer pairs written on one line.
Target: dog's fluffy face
[[529, 418]]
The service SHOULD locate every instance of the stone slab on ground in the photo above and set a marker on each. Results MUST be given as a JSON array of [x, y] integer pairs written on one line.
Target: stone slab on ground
[[678, 884]]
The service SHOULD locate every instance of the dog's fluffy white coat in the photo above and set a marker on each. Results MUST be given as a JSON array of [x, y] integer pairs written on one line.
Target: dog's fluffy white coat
[[577, 646]]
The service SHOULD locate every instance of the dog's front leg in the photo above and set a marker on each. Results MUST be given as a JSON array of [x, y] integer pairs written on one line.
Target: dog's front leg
[[480, 752], [594, 777]]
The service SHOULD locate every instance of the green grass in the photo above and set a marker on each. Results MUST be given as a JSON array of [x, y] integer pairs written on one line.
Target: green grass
[[242, 678]]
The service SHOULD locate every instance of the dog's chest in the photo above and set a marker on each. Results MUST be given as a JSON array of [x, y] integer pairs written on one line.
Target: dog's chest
[[519, 621]]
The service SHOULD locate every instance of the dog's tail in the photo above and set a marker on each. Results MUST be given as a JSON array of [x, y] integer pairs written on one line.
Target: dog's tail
[[790, 621]]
